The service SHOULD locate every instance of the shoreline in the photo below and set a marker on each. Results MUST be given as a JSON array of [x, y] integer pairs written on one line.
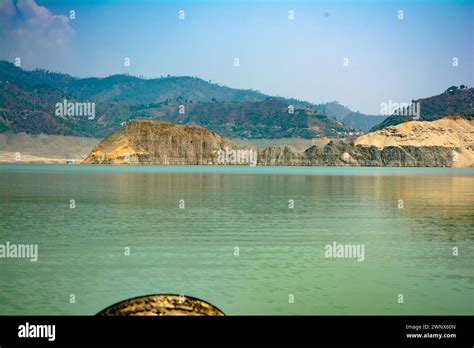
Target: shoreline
[[234, 169]]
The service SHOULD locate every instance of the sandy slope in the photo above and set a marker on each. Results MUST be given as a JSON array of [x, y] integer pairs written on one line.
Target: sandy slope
[[44, 148], [451, 132]]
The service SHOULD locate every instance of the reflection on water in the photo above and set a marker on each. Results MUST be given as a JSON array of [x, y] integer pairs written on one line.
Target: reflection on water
[[408, 250]]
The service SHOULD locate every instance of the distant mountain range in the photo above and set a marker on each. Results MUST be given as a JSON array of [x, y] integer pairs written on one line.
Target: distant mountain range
[[354, 119], [28, 99], [28, 102]]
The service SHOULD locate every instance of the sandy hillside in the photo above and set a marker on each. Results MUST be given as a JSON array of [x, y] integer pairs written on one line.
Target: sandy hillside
[[451, 132]]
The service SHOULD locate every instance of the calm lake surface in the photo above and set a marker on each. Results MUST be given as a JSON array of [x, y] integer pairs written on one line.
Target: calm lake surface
[[281, 251]]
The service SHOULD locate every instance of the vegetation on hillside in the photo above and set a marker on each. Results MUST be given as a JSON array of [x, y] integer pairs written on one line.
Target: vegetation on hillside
[[454, 101], [28, 98]]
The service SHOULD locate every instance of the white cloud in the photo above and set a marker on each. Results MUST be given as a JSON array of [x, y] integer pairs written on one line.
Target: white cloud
[[29, 30]]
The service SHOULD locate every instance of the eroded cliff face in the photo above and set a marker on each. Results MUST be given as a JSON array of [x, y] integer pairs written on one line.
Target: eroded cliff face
[[346, 154], [447, 142], [280, 156], [158, 142], [343, 153]]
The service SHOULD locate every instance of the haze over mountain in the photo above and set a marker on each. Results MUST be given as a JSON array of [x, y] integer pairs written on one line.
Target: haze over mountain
[[300, 57], [354, 119]]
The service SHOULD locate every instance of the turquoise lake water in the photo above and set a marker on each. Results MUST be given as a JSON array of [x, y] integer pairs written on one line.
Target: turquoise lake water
[[408, 220]]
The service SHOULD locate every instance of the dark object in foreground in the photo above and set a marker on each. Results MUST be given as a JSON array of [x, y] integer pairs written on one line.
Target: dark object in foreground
[[161, 305]]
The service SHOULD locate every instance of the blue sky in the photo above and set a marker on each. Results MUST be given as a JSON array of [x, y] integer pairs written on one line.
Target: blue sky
[[389, 58]]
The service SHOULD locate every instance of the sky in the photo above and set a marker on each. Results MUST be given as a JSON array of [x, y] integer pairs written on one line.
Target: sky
[[359, 53]]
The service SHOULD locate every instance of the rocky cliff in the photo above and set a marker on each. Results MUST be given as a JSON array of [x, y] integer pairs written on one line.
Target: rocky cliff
[[448, 142], [158, 142]]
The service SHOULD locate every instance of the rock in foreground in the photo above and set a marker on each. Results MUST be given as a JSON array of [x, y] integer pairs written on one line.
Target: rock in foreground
[[162, 305]]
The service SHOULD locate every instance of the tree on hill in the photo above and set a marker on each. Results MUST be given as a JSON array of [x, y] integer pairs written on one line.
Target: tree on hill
[[452, 90]]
